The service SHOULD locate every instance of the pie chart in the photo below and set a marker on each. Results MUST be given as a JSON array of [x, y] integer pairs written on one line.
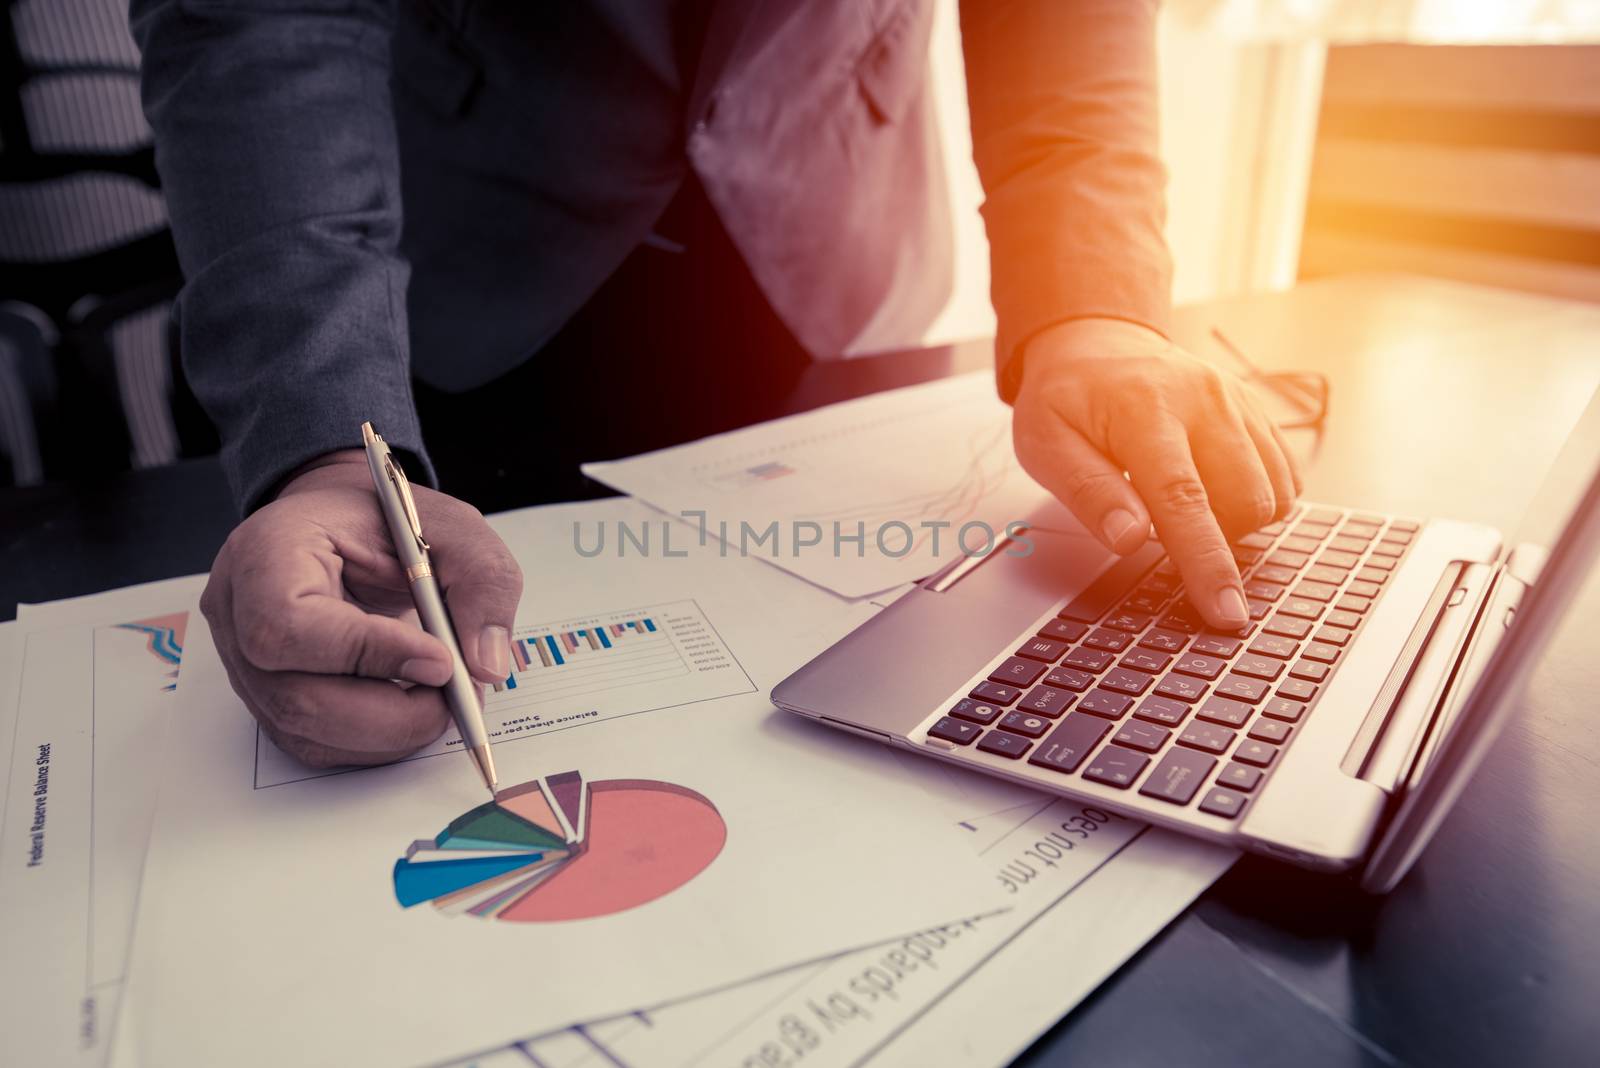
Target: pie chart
[[564, 848]]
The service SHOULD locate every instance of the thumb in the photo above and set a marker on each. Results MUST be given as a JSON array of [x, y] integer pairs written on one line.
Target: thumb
[[1079, 475], [482, 585]]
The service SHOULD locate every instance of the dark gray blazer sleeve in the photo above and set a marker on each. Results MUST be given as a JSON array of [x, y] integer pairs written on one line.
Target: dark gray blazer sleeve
[[1064, 133], [275, 144]]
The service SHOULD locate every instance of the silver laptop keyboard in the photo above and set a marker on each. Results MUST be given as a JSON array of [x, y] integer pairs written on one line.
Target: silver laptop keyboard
[[1129, 688]]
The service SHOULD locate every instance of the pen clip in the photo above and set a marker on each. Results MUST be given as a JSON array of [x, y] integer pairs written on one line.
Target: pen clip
[[408, 503]]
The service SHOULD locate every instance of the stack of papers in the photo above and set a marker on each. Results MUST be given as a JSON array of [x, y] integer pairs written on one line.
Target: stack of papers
[[676, 874]]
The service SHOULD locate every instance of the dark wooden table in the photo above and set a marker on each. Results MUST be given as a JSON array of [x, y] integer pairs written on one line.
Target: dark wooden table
[[1446, 400]]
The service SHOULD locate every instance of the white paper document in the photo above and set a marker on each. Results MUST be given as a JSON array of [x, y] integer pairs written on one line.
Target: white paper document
[[855, 497], [94, 686], [1077, 892], [630, 859]]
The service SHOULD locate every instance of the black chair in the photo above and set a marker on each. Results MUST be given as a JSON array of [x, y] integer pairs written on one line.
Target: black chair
[[87, 265]]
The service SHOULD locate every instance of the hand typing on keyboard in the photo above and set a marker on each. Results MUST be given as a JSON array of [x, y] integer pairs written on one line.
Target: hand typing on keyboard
[[1100, 397]]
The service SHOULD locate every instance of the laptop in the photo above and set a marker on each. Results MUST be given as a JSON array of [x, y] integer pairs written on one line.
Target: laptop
[[1334, 732]]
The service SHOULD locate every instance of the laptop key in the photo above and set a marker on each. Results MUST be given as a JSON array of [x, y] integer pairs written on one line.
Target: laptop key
[[1316, 591], [1181, 688], [1275, 645], [1273, 573], [1382, 563], [1065, 678], [975, 711], [1388, 548], [1258, 667], [1258, 608], [1301, 608], [1068, 745], [1339, 618], [1342, 560], [1045, 650], [1178, 777], [1166, 641], [1017, 671], [1145, 660], [1256, 540], [1063, 630], [1226, 711], [1216, 645], [1132, 622], [1113, 640], [1116, 766], [1143, 736], [1282, 708], [1364, 589], [1298, 689], [1322, 653], [1270, 730], [1121, 680], [1332, 636], [1240, 776], [1145, 604], [1328, 517], [1088, 659], [1237, 686], [1324, 573], [1224, 803], [1000, 743], [1292, 560], [1349, 603], [1253, 752], [995, 694], [1098, 702], [1025, 724], [1184, 623], [954, 730], [1309, 670], [1308, 529], [1296, 544], [1406, 525], [1401, 536], [1045, 701], [1161, 710], [1346, 544], [1288, 626], [1375, 575], [1211, 738], [1263, 591], [1201, 667]]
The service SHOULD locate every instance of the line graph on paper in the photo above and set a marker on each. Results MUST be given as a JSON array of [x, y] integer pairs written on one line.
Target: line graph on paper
[[581, 670]]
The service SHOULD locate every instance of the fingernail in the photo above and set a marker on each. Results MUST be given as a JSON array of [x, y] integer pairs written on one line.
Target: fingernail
[[1116, 524], [426, 672], [1231, 607], [494, 651]]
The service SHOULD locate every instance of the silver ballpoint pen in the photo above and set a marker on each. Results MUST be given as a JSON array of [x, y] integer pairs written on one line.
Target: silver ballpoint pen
[[400, 509]]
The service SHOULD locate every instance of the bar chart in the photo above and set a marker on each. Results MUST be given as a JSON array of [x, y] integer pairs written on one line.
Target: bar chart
[[585, 669]]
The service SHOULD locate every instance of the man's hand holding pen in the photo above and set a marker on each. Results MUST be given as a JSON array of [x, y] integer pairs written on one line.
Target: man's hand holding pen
[[313, 616]]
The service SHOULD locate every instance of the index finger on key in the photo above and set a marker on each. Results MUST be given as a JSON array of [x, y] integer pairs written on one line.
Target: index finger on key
[[1156, 452]]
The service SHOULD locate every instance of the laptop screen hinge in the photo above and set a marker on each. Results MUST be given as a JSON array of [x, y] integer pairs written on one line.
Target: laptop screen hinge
[[1408, 702]]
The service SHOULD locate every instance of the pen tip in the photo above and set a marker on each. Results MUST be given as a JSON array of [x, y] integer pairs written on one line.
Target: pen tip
[[485, 764]]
